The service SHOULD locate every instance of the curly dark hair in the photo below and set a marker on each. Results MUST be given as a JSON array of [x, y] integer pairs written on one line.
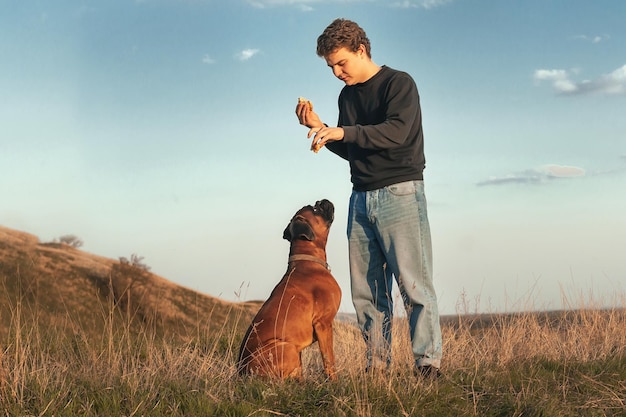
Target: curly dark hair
[[342, 33]]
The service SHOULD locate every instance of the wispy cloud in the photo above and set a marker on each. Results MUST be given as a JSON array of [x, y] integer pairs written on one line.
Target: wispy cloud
[[613, 83], [306, 5], [208, 60], [593, 38], [422, 4], [536, 175], [246, 54]]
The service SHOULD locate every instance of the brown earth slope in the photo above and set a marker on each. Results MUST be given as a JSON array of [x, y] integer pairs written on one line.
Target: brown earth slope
[[63, 287]]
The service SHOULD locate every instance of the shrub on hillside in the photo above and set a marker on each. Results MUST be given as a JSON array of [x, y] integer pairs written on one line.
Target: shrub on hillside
[[129, 279], [71, 240]]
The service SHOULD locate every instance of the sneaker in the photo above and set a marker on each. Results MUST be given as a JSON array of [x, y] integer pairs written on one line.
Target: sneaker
[[376, 370], [427, 372]]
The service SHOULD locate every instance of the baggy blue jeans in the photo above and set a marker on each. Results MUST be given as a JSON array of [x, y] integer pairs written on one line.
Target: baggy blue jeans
[[389, 237]]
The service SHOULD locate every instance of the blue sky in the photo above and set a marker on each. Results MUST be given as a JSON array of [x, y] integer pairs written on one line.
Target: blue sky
[[166, 128]]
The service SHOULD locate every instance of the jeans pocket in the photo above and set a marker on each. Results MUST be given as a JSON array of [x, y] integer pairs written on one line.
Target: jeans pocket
[[402, 188]]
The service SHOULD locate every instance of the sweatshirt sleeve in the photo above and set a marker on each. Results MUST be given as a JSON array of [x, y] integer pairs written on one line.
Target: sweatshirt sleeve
[[338, 148], [401, 101]]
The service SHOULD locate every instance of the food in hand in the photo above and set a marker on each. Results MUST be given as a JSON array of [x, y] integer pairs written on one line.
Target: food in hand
[[302, 100], [316, 145]]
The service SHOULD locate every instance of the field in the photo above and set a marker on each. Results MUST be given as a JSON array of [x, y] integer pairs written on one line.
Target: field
[[560, 364], [124, 359]]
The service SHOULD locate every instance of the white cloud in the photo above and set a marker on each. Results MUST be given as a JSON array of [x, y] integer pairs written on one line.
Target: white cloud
[[536, 175], [559, 78], [561, 171], [592, 39], [246, 54], [305, 5], [423, 4], [613, 83], [207, 60]]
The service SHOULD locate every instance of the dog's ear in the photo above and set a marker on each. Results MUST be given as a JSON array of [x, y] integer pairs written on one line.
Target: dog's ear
[[327, 209], [298, 230], [287, 233]]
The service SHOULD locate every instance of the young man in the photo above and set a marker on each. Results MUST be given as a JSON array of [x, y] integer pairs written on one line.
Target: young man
[[379, 133]]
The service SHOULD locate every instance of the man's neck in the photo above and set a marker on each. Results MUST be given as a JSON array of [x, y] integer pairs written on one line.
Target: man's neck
[[370, 71]]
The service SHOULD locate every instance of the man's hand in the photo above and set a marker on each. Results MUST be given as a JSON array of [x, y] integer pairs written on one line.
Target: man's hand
[[323, 135], [306, 116]]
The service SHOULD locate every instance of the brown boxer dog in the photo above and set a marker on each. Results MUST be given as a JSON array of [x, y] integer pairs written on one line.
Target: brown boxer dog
[[301, 308]]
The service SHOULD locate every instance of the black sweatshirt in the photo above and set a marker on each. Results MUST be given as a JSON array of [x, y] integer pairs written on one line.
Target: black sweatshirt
[[383, 139]]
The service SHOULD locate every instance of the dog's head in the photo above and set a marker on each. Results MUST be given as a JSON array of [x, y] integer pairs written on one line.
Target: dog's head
[[311, 222]]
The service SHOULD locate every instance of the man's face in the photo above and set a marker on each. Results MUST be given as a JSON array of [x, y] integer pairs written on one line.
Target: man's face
[[348, 66]]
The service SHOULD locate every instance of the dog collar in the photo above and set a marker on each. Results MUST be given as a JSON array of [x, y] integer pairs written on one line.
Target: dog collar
[[311, 258]]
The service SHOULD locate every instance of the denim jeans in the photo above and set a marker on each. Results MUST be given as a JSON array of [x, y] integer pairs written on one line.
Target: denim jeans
[[389, 237]]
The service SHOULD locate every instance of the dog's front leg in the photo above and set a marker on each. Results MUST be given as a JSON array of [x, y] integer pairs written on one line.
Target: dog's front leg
[[324, 335]]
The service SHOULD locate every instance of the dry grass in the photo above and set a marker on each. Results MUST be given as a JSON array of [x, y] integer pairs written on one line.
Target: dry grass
[[559, 363], [95, 358]]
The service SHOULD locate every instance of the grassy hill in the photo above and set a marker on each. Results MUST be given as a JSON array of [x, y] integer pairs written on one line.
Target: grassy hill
[[82, 335], [56, 285]]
